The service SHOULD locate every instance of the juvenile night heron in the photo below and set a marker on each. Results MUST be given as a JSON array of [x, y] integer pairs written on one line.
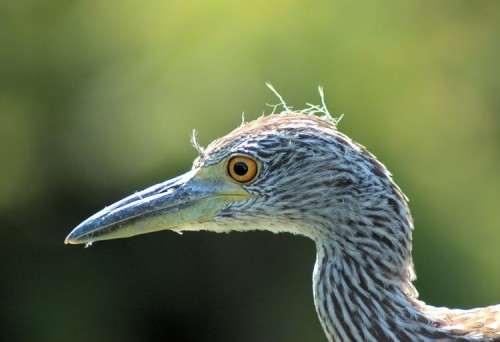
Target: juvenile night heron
[[295, 172]]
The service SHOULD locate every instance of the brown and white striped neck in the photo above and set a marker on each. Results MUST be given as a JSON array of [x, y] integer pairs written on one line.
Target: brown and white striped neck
[[355, 302]]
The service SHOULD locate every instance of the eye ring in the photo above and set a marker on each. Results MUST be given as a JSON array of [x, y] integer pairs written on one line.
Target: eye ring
[[242, 169]]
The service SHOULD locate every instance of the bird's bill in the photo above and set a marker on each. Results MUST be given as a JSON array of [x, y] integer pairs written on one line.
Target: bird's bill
[[178, 204]]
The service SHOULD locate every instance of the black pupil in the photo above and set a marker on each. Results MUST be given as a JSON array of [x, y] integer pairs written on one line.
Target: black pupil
[[240, 168]]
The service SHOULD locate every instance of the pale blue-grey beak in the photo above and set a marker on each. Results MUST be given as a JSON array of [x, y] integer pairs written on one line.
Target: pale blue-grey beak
[[177, 204]]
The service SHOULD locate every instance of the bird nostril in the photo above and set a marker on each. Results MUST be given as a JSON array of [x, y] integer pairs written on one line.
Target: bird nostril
[[168, 189]]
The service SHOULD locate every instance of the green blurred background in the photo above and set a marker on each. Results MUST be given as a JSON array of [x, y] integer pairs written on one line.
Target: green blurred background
[[98, 99]]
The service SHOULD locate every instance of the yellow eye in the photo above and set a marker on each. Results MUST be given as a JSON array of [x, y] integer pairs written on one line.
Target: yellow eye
[[242, 169]]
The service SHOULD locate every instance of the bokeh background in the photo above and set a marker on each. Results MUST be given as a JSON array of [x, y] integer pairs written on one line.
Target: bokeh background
[[98, 99]]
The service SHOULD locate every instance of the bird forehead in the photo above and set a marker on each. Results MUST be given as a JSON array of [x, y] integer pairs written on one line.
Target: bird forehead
[[261, 137]]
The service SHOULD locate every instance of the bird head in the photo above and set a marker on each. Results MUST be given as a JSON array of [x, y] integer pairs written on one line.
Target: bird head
[[287, 172]]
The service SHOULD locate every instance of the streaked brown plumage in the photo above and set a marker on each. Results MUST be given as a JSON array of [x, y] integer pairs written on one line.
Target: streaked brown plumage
[[309, 180]]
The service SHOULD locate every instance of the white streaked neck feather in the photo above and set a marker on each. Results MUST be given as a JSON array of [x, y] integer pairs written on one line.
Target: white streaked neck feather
[[354, 305]]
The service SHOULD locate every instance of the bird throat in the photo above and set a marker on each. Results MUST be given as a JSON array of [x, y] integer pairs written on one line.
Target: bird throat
[[355, 301]]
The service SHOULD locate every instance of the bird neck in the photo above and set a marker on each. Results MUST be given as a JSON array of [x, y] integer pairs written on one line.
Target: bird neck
[[358, 299]]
